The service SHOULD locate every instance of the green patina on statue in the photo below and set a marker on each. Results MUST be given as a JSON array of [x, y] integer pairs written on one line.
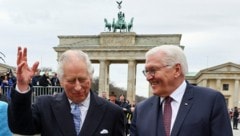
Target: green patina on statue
[[120, 23]]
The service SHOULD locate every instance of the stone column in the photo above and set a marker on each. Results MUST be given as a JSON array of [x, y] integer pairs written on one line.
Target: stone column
[[150, 93], [204, 82], [218, 84], [236, 93], [104, 77], [131, 84]]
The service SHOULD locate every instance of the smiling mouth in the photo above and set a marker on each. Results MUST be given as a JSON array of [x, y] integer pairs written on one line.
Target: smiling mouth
[[153, 83]]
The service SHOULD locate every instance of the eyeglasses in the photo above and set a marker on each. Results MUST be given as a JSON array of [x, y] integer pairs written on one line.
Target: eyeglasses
[[153, 71]]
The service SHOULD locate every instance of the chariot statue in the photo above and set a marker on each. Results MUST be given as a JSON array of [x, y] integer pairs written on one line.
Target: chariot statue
[[120, 23]]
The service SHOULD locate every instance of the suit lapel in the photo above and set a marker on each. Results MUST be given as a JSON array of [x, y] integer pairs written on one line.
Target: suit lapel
[[61, 110], [94, 115], [159, 119], [152, 118], [184, 108]]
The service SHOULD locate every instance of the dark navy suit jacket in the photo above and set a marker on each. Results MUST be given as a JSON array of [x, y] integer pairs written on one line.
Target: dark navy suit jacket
[[51, 116], [202, 112]]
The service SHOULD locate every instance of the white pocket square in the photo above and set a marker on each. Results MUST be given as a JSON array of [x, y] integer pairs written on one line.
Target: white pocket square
[[104, 131]]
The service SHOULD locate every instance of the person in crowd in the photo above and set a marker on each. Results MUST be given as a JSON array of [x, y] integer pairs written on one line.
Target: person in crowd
[[1, 79], [104, 95], [45, 80], [126, 108], [2, 96], [4, 129], [11, 76], [4, 82], [130, 114], [113, 98], [235, 118], [36, 78], [76, 111], [55, 80], [177, 108], [7, 83], [230, 114], [123, 103]]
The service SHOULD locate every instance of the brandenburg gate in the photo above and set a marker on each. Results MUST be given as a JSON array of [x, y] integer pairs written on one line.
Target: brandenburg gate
[[114, 47]]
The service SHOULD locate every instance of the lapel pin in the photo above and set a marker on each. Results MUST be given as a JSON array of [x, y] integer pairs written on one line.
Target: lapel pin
[[186, 104]]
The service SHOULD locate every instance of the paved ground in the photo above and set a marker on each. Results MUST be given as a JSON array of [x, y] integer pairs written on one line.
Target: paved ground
[[236, 132]]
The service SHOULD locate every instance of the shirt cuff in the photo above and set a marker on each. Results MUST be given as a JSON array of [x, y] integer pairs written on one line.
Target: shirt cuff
[[22, 92]]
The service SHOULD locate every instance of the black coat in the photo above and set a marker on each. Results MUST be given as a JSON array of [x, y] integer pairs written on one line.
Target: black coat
[[51, 116]]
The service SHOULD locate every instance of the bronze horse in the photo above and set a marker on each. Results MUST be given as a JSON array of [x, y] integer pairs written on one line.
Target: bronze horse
[[119, 25], [130, 25], [107, 25]]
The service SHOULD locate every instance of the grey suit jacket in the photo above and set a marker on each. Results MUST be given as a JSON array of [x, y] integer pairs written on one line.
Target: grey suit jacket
[[50, 116], [202, 112]]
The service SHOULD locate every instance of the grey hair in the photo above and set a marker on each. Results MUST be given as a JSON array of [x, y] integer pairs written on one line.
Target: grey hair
[[67, 56], [173, 55]]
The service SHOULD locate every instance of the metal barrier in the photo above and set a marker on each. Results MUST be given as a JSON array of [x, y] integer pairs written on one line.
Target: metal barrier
[[37, 91]]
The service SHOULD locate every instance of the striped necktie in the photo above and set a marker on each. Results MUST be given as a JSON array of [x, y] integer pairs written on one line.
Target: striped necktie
[[75, 110]]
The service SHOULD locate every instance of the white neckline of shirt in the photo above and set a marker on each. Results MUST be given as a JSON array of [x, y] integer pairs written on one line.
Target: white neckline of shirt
[[177, 96], [84, 106]]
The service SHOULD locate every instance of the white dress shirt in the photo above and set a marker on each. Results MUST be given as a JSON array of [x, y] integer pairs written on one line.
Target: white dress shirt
[[84, 106], [177, 96]]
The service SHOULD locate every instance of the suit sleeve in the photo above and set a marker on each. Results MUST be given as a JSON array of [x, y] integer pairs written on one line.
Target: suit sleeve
[[20, 115], [220, 121], [120, 127]]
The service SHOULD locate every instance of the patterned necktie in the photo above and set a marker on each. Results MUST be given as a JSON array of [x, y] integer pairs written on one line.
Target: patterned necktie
[[167, 115], [75, 110]]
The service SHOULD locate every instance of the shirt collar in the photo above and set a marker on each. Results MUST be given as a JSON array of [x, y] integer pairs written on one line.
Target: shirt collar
[[86, 102], [178, 93]]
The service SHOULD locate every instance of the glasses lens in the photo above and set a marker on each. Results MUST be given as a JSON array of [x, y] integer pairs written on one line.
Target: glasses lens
[[147, 73]]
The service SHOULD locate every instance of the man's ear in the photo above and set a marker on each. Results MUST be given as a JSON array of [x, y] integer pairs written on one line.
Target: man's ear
[[178, 70]]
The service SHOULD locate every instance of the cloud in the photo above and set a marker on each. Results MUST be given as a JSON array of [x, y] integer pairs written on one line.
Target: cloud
[[210, 29]]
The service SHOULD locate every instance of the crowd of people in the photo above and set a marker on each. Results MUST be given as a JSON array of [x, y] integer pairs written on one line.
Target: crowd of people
[[45, 79], [7, 80]]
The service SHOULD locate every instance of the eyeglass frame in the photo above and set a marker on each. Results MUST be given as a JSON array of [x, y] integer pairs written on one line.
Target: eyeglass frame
[[153, 72]]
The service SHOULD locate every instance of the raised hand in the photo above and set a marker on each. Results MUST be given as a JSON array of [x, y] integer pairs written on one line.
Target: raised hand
[[24, 72]]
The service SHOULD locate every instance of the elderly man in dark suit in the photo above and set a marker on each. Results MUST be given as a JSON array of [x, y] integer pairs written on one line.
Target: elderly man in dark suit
[[177, 107], [76, 111]]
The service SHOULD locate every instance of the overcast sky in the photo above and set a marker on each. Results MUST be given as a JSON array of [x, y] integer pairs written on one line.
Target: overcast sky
[[210, 28]]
